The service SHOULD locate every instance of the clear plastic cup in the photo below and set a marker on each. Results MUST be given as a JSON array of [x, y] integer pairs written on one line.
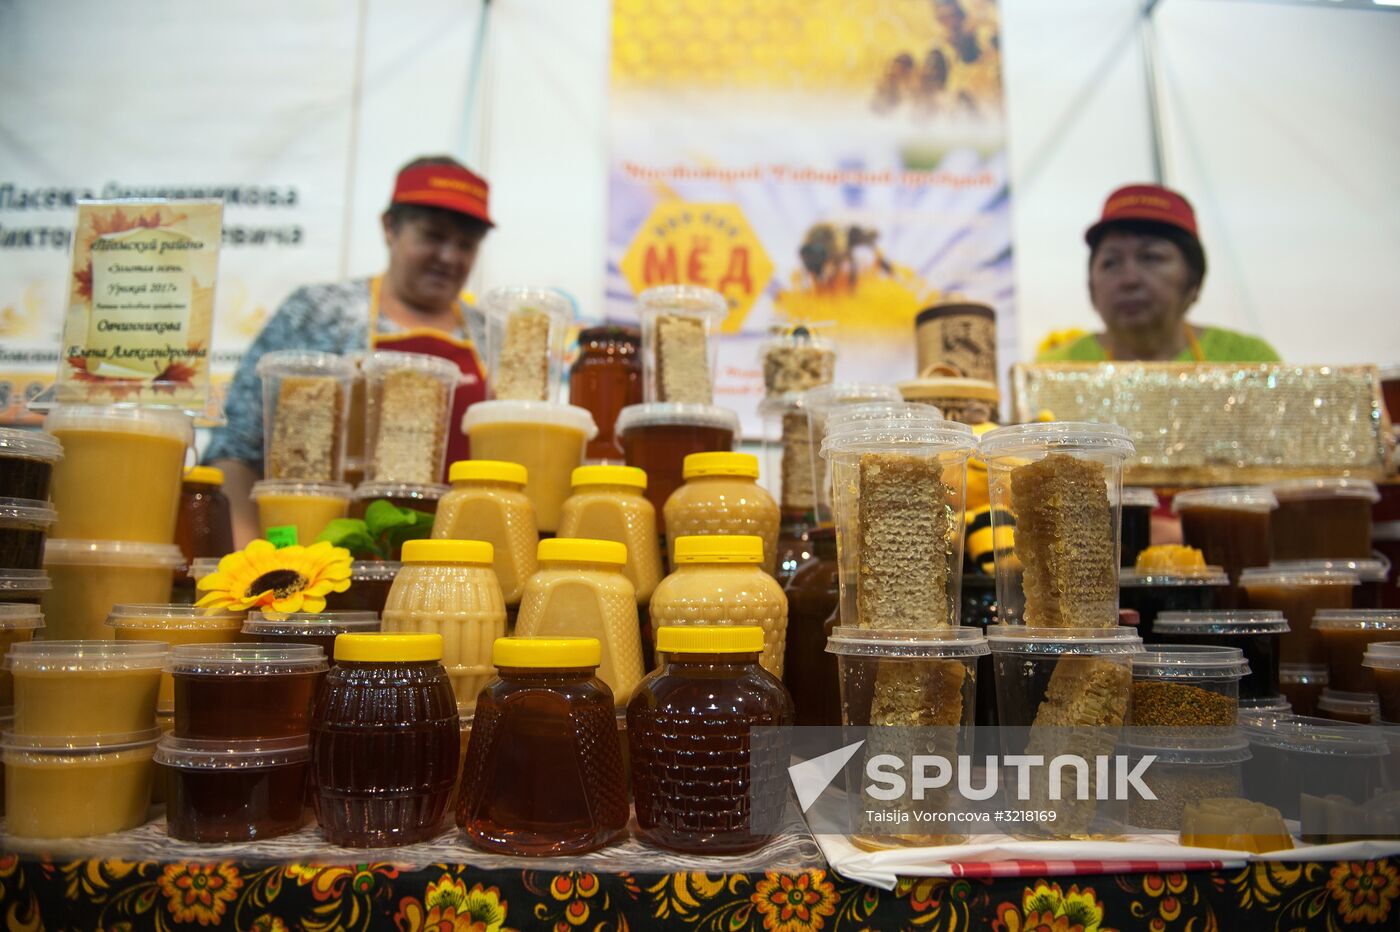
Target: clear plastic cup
[[1372, 574], [1295, 755], [1346, 635], [658, 437], [91, 576], [1230, 526], [241, 692], [1058, 487], [370, 581], [1302, 685], [1256, 632], [24, 525], [1321, 519], [1181, 776], [819, 403], [408, 416], [356, 416], [1152, 592], [1251, 706], [898, 505], [1299, 593], [306, 506], [18, 622], [24, 586], [1185, 687], [306, 407], [786, 454], [174, 625], [307, 628], [78, 689], [796, 362], [121, 471], [27, 458], [526, 329], [62, 788], [1383, 660], [1341, 706], [680, 346], [234, 790], [1137, 506], [545, 437]]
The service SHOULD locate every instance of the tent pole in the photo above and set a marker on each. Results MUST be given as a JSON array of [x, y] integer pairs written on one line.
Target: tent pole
[[1149, 64]]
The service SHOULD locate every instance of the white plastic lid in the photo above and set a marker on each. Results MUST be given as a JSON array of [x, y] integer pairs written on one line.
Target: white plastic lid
[[156, 422], [676, 414], [20, 616], [912, 644], [371, 570], [310, 624], [550, 413], [418, 491], [1312, 574], [30, 444], [24, 580], [1197, 576], [1221, 622], [1024, 639], [1302, 674], [903, 436], [1057, 436], [1135, 496], [1357, 619], [1295, 489], [85, 656], [225, 754], [1192, 752], [1265, 705], [1382, 655], [169, 618], [1373, 570], [1365, 705], [67, 746], [299, 487], [690, 300], [820, 400], [307, 363], [112, 553], [378, 364], [204, 566], [882, 411], [1230, 498], [503, 301], [1313, 735], [1190, 662], [246, 659], [27, 513]]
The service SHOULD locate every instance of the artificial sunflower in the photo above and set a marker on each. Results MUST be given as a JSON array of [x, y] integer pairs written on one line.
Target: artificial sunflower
[[289, 579]]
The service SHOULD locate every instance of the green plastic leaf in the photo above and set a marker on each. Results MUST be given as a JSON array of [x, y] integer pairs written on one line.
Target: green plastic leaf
[[421, 528], [381, 515], [353, 535]]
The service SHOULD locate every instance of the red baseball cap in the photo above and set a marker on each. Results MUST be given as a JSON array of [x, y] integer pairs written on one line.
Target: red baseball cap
[[450, 187], [1150, 202]]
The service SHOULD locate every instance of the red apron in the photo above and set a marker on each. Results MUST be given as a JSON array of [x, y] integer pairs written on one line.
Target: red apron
[[431, 342]]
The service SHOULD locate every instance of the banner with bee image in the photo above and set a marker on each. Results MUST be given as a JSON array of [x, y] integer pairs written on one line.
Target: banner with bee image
[[839, 164]]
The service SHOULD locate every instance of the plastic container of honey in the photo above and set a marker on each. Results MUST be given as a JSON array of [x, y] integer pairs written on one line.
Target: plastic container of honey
[[579, 591], [1231, 528], [1302, 685], [422, 497], [234, 790], [174, 625], [306, 506], [609, 503], [657, 437], [487, 501], [24, 524], [1256, 633], [119, 478], [545, 437], [1346, 636], [27, 458], [306, 628], [18, 623], [23, 586], [62, 788], [1383, 660], [1137, 506], [1299, 592], [1341, 706], [81, 689], [721, 495], [1322, 519], [91, 576], [245, 691]]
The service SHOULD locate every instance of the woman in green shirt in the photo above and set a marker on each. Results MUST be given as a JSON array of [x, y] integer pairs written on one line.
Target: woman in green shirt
[[1146, 266]]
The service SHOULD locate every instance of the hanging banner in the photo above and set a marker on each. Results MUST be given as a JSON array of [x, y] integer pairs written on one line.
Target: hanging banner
[[837, 163]]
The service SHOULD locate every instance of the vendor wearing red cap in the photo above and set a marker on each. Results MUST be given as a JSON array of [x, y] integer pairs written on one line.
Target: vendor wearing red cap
[[437, 217], [1146, 266]]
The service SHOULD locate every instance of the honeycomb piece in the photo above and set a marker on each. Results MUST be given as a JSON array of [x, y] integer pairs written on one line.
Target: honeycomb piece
[[797, 489], [1064, 539], [306, 425], [522, 371], [411, 435], [903, 542], [682, 360], [796, 367]]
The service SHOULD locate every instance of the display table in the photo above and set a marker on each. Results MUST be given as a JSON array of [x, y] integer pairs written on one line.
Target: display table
[[143, 880]]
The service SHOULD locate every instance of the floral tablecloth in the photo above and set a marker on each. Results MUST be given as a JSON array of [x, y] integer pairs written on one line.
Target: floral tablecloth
[[102, 893]]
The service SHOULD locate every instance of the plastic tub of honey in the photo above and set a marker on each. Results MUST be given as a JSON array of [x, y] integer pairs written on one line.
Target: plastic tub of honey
[[657, 437], [1187, 686], [79, 689], [26, 586], [1341, 706], [1383, 660], [1302, 685], [1371, 573], [1346, 635], [235, 790], [545, 437], [1321, 519], [370, 581], [422, 497], [1294, 755], [1230, 526], [408, 416], [1057, 485], [318, 629], [18, 623], [1299, 592], [245, 691], [1151, 592], [119, 478], [62, 788], [91, 576], [306, 403], [24, 523], [307, 506], [1137, 506], [27, 458], [174, 625], [1255, 633]]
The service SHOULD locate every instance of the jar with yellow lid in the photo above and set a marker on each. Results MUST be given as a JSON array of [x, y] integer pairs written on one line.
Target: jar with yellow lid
[[580, 591], [719, 580], [543, 774], [488, 502], [608, 504], [447, 587], [721, 495]]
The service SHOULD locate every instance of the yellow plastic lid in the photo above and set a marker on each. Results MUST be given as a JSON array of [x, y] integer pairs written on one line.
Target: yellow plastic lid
[[559, 653], [720, 548], [709, 639], [610, 475], [720, 464], [448, 551], [205, 475], [581, 550], [487, 471], [388, 648]]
